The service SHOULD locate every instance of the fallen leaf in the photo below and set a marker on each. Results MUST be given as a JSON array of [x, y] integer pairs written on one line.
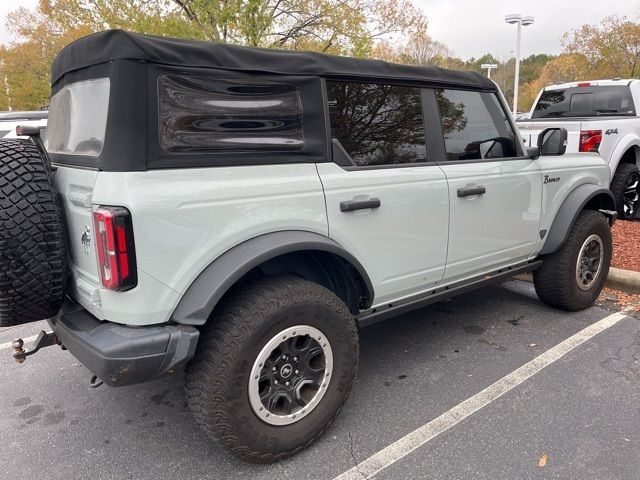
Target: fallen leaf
[[625, 238], [533, 344], [626, 439], [543, 460]]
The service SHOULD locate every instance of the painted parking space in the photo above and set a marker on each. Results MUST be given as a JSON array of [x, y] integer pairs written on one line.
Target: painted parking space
[[577, 419]]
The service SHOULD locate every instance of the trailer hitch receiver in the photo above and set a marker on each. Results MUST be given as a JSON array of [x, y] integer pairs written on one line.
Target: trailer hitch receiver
[[45, 339]]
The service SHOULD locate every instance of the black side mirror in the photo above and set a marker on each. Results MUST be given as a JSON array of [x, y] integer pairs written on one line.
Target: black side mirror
[[533, 152], [552, 141]]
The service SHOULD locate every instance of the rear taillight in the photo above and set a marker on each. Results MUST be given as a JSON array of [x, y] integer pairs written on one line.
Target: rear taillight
[[590, 140], [115, 247]]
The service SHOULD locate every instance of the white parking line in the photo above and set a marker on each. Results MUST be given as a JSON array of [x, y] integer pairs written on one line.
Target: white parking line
[[420, 436], [26, 342]]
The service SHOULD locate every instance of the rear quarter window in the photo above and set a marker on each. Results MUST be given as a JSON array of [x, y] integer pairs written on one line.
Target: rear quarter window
[[78, 118], [199, 114]]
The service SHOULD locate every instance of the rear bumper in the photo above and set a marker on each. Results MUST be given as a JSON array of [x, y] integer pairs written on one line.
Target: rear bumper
[[122, 355]]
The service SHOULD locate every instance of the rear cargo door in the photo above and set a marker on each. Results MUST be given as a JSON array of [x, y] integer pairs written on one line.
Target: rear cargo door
[[75, 136], [75, 188]]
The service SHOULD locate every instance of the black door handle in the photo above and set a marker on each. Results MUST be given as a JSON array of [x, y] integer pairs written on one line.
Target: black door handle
[[351, 205], [466, 192]]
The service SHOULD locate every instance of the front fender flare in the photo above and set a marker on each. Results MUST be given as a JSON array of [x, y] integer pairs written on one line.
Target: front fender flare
[[573, 204], [214, 281]]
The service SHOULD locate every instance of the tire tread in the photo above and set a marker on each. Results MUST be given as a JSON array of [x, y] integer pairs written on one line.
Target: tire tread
[[235, 320], [618, 184], [32, 237], [552, 277]]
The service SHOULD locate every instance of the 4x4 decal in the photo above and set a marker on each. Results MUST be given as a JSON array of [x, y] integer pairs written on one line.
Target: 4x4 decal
[[611, 131]]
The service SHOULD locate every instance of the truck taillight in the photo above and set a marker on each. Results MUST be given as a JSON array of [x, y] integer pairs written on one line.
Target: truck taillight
[[590, 140], [115, 248]]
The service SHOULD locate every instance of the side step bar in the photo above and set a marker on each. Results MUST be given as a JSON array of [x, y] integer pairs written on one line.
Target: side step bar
[[376, 315]]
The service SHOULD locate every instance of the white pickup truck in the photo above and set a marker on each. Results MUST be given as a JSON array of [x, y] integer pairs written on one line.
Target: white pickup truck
[[599, 116]]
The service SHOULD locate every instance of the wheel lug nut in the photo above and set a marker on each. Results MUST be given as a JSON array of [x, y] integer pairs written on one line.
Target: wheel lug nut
[[273, 369], [287, 384], [275, 382], [297, 372], [295, 359]]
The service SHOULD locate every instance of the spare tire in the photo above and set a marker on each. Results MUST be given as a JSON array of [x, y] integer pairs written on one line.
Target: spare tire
[[33, 262]]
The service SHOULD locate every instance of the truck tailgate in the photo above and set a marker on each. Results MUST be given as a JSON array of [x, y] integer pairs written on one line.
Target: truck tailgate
[[530, 129]]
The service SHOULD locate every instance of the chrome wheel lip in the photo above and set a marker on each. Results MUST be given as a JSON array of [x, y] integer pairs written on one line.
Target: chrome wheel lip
[[582, 268], [254, 390], [631, 195]]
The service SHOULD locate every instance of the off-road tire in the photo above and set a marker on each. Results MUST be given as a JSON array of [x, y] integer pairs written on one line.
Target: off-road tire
[[618, 186], [217, 378], [32, 236], [555, 280]]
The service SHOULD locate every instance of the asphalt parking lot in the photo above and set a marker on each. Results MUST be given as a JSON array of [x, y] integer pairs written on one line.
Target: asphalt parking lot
[[580, 412]]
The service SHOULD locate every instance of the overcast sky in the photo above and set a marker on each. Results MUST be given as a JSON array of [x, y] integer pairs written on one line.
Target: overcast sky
[[472, 28]]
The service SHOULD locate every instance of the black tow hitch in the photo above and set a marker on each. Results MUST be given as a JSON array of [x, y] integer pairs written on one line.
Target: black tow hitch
[[45, 339]]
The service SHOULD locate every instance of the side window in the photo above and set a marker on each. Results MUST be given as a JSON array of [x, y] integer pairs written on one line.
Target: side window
[[377, 124], [208, 115], [475, 126]]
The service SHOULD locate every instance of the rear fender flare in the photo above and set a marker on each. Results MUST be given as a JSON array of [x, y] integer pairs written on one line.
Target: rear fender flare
[[573, 204], [630, 140], [215, 280]]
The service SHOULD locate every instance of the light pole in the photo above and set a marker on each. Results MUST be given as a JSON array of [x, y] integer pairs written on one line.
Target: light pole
[[489, 67], [520, 21]]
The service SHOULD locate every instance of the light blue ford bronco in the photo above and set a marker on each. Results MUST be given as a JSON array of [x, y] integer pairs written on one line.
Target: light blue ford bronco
[[244, 211]]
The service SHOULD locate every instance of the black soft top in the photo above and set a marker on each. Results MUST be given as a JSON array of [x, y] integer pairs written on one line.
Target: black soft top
[[111, 45]]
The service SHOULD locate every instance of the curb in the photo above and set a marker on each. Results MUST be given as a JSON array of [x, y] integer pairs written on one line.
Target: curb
[[624, 280]]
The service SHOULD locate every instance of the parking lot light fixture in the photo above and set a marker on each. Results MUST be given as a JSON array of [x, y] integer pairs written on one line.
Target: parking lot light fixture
[[520, 21], [488, 67]]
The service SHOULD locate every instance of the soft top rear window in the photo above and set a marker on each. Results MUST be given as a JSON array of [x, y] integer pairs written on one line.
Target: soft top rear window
[[588, 101], [78, 118]]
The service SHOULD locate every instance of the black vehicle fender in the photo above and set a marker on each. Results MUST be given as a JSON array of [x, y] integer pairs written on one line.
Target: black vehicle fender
[[591, 196], [201, 297]]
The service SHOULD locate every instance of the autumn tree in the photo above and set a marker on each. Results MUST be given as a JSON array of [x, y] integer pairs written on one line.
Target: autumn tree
[[337, 26], [611, 49], [422, 49], [346, 27], [568, 67], [42, 33]]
